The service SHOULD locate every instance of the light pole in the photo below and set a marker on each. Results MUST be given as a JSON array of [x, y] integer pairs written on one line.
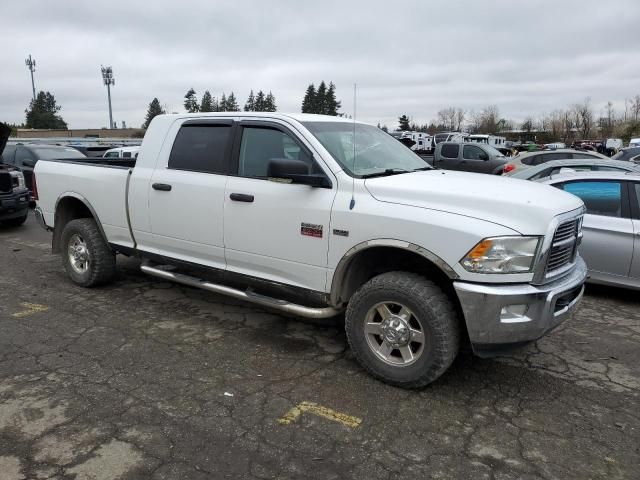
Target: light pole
[[107, 78], [31, 64]]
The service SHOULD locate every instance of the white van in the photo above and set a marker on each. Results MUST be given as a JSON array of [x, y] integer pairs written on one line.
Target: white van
[[122, 152]]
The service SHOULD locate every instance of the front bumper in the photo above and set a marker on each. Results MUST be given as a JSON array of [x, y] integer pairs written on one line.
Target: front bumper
[[14, 204], [538, 309]]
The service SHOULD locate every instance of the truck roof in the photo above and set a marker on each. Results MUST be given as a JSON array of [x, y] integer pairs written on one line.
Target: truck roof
[[300, 117]]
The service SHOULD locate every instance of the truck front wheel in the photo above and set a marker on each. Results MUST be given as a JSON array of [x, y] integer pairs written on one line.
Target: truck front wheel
[[403, 329], [86, 256]]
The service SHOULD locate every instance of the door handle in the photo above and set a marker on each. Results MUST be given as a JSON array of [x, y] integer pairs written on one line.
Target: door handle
[[241, 197], [163, 187]]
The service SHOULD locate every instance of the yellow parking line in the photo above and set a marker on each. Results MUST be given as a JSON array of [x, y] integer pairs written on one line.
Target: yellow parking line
[[293, 414], [31, 308]]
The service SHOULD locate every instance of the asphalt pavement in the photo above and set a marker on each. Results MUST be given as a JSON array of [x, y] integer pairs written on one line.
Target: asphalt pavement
[[148, 379]]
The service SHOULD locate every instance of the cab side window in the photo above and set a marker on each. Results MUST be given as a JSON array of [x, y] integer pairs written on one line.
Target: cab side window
[[22, 154], [471, 152], [600, 197], [260, 145], [450, 151], [201, 148]]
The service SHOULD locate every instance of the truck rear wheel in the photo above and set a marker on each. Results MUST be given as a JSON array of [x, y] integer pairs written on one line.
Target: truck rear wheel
[[403, 329], [86, 256]]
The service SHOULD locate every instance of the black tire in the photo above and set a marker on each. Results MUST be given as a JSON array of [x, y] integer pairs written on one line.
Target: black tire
[[102, 260], [16, 222], [437, 318]]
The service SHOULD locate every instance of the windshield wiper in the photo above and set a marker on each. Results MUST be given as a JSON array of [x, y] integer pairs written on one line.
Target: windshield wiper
[[422, 168], [386, 173]]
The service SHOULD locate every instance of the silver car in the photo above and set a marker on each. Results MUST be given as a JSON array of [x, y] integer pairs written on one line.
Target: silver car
[[531, 159], [611, 228], [560, 167]]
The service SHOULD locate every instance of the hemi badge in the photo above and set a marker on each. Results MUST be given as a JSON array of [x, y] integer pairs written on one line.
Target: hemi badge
[[341, 233], [311, 230]]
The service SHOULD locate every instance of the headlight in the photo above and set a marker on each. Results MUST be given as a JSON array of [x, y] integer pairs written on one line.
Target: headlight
[[502, 255], [20, 178]]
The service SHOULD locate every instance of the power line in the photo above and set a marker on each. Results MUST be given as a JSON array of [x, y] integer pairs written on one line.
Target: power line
[[108, 80], [31, 64]]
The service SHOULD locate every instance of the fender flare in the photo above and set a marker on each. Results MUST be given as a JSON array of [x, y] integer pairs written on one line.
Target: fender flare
[[57, 232], [343, 264]]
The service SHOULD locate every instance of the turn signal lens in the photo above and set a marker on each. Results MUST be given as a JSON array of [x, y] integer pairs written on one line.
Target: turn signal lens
[[480, 250], [508, 167]]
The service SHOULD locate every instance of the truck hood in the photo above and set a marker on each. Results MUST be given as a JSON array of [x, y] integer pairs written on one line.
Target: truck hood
[[524, 206]]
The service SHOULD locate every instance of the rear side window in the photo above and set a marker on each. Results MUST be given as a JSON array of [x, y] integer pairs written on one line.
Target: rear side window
[[201, 148], [450, 151], [600, 198], [532, 160], [126, 154]]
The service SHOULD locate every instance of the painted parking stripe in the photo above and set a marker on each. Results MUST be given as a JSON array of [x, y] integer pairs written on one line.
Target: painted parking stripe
[[30, 309], [315, 409]]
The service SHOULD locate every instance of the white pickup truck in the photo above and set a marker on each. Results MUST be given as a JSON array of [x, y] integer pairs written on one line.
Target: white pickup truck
[[315, 215]]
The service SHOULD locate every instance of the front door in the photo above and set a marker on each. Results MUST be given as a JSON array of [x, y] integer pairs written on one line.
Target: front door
[[275, 230], [634, 191], [186, 194], [607, 244]]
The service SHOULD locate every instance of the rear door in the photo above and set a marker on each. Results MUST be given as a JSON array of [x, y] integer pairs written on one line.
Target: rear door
[[448, 157], [275, 230], [186, 193], [607, 244]]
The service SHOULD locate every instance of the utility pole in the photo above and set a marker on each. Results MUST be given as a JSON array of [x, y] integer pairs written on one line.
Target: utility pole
[[31, 64], [107, 78]]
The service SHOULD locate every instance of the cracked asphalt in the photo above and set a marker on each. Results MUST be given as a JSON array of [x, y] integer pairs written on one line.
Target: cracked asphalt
[[147, 379]]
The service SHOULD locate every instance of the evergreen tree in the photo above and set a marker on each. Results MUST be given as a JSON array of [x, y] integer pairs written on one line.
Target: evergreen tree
[[250, 106], [320, 104], [309, 99], [404, 123], [232, 104], [222, 106], [207, 102], [332, 105], [42, 113], [191, 101], [216, 105], [270, 103], [260, 101], [153, 110]]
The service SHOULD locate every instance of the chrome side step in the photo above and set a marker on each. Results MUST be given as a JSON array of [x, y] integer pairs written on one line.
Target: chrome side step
[[247, 296]]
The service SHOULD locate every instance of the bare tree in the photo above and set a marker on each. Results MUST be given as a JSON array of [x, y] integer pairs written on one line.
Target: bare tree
[[460, 116], [447, 117], [583, 117]]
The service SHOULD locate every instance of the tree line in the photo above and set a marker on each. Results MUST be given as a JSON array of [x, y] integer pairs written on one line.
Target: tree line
[[576, 121], [255, 103]]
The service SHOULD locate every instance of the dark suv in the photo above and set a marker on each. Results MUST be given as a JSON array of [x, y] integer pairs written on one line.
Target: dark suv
[[24, 157], [14, 197]]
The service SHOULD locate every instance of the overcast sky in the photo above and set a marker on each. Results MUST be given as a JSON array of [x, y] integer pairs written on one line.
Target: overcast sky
[[412, 57]]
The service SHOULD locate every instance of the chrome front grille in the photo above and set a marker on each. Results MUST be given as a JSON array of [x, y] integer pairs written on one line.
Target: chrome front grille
[[564, 246]]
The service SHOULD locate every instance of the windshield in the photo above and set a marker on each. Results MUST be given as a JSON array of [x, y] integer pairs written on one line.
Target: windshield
[[43, 153], [377, 152], [494, 152]]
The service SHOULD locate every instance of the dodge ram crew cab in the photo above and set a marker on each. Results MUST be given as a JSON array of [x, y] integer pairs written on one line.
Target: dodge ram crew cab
[[315, 216]]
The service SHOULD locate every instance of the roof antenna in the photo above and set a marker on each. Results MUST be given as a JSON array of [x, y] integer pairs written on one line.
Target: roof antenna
[[352, 203]]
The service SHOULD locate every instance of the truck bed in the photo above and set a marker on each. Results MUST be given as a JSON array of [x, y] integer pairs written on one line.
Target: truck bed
[[101, 184]]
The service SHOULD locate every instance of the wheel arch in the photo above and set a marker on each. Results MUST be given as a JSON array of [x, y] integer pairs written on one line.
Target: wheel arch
[[70, 206], [370, 258]]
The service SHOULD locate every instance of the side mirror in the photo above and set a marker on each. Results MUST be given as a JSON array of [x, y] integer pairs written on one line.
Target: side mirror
[[28, 163], [296, 171], [484, 156]]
